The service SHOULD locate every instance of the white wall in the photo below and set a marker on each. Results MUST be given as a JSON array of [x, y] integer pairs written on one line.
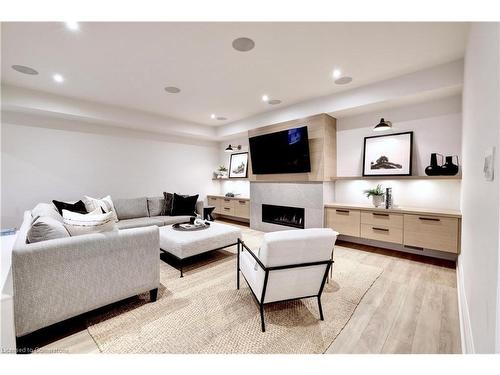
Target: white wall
[[41, 164], [240, 187], [436, 127], [479, 260]]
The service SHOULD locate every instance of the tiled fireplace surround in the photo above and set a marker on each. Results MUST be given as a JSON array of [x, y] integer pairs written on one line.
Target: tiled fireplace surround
[[309, 195]]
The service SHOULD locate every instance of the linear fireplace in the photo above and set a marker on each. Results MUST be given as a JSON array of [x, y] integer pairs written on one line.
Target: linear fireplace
[[283, 215]]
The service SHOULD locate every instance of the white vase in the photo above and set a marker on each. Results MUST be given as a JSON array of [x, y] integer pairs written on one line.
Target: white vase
[[377, 200]]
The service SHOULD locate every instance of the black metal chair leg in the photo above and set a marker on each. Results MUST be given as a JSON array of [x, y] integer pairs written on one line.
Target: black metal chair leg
[[238, 266], [153, 294], [320, 308], [262, 318]]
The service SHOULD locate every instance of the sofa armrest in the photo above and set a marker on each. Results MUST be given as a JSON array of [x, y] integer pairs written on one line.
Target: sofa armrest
[[199, 207], [57, 279]]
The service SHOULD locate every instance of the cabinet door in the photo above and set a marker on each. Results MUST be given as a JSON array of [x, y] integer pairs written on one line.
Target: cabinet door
[[431, 232], [242, 208], [344, 221], [382, 218], [382, 233], [216, 202]]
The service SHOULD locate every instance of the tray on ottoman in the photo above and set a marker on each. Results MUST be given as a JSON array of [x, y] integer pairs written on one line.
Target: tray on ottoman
[[186, 244]]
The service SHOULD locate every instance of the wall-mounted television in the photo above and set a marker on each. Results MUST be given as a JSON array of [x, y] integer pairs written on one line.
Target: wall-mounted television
[[285, 151]]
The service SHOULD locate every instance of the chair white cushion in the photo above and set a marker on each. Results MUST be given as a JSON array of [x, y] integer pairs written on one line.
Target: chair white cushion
[[297, 246]]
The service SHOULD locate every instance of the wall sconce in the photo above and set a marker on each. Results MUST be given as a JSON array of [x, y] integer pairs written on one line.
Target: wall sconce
[[233, 148], [382, 125]]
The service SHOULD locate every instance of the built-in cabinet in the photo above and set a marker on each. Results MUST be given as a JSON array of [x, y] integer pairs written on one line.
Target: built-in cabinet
[[233, 207], [417, 229]]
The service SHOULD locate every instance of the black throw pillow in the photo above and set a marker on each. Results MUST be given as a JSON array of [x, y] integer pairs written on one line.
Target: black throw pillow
[[75, 207], [184, 205], [169, 199]]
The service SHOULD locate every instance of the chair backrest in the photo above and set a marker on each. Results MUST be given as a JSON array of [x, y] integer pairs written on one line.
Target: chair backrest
[[297, 246]]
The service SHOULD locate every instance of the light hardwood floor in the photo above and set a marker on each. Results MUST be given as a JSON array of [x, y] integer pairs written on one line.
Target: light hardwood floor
[[411, 308]]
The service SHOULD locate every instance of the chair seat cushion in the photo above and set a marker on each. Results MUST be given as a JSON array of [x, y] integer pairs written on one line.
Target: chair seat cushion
[[139, 222]]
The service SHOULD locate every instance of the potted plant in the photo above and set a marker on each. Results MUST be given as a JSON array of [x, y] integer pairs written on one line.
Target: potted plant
[[377, 195], [222, 171]]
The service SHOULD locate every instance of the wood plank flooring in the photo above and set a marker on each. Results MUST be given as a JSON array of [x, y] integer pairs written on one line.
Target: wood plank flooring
[[411, 308]]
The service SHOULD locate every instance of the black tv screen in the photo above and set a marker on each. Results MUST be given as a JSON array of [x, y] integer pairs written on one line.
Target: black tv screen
[[286, 151]]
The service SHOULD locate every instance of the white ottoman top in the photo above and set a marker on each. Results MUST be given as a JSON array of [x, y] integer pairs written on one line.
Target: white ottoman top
[[184, 244]]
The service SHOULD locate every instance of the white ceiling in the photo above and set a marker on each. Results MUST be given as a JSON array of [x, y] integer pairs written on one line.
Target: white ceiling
[[129, 64]]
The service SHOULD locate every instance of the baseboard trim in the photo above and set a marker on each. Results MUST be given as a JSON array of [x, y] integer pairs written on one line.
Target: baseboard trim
[[467, 339]]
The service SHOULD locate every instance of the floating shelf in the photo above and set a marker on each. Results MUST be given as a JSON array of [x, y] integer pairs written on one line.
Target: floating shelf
[[457, 177], [230, 179]]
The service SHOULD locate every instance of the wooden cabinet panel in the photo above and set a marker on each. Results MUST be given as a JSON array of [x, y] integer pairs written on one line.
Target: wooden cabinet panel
[[344, 221], [242, 208], [382, 233], [216, 202], [431, 232], [227, 207], [382, 218]]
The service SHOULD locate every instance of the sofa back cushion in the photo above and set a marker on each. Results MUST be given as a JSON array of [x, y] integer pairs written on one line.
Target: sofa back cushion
[[46, 228], [156, 206], [131, 208], [46, 209]]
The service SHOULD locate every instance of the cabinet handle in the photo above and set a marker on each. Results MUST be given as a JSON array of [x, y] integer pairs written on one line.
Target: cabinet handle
[[378, 214], [226, 200], [429, 218], [342, 211], [382, 229], [227, 208], [242, 202]]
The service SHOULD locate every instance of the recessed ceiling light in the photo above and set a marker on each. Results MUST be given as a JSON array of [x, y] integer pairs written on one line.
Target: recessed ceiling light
[[274, 102], [172, 90], [336, 73], [265, 98], [73, 26], [220, 118], [212, 115], [58, 78], [24, 69], [243, 44], [343, 80]]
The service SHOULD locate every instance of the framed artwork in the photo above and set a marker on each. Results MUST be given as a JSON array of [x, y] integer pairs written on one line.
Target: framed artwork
[[238, 166], [388, 155]]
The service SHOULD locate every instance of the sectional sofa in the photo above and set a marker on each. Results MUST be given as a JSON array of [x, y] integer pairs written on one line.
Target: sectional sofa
[[61, 278]]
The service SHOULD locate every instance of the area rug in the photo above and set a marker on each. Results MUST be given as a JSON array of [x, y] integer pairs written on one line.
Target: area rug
[[204, 313]]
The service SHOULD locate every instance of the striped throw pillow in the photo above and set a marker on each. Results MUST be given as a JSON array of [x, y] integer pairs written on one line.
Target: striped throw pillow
[[94, 222]]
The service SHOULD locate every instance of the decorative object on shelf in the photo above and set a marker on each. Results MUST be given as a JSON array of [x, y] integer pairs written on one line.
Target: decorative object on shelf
[[377, 195], [231, 195], [434, 169], [231, 148], [489, 164], [222, 172], [388, 198], [238, 166], [388, 155], [382, 126], [448, 168]]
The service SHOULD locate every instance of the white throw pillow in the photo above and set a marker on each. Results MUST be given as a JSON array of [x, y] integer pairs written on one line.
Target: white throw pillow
[[91, 204], [93, 222]]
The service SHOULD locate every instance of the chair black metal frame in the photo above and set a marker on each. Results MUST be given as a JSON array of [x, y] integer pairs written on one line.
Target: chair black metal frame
[[267, 270]]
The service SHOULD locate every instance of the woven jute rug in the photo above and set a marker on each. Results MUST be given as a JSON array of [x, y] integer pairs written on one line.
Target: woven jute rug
[[204, 313]]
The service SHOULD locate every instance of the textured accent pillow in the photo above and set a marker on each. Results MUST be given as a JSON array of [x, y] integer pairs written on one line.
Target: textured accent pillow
[[169, 198], [156, 206], [184, 205], [93, 222], [46, 209], [105, 203], [75, 207], [46, 228]]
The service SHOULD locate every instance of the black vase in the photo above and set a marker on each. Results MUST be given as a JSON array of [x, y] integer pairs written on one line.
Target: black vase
[[434, 169], [448, 168]]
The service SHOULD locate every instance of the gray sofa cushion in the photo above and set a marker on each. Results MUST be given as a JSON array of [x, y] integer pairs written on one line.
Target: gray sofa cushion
[[139, 222], [46, 209], [131, 208], [46, 228], [169, 220], [156, 206]]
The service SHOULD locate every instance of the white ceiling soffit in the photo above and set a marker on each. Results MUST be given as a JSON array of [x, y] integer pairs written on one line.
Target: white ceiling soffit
[[129, 64]]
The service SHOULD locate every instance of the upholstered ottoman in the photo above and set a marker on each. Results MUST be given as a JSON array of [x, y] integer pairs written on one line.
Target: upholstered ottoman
[[185, 244]]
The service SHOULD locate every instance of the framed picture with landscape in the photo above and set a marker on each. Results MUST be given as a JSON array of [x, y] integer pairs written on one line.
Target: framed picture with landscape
[[238, 166], [388, 155]]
